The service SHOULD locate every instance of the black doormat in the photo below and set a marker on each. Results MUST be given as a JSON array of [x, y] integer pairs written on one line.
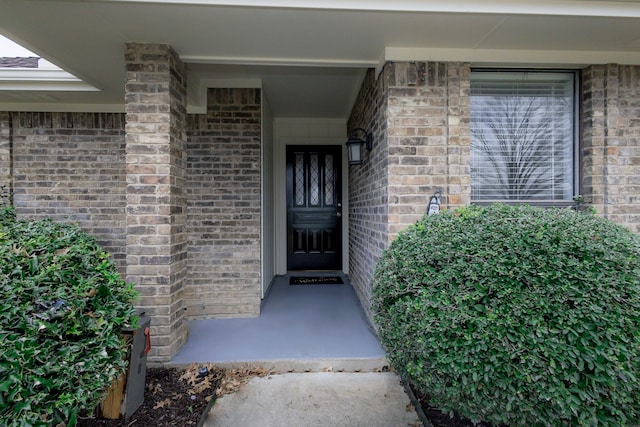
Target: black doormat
[[315, 280]]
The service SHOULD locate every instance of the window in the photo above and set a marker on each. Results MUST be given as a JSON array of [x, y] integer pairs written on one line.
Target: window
[[523, 136]]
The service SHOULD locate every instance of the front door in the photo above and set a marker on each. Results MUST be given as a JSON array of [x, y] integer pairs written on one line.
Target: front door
[[314, 207]]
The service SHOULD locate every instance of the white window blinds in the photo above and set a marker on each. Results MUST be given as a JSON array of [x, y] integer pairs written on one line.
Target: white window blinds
[[522, 136]]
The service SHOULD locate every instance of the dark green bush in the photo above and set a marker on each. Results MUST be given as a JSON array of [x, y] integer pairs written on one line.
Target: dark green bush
[[516, 315], [6, 208], [62, 307]]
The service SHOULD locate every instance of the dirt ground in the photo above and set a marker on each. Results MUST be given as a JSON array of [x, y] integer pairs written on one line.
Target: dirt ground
[[180, 396]]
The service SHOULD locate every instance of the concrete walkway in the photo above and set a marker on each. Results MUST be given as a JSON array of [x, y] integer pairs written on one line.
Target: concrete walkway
[[317, 399], [302, 333]]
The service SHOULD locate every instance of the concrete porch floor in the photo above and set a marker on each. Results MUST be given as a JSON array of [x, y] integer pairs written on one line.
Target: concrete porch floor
[[300, 327]]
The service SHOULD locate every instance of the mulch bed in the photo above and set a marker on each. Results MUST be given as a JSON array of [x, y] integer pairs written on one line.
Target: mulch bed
[[179, 397], [173, 397]]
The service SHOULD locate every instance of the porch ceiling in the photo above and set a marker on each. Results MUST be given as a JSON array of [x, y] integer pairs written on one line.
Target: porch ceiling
[[309, 56]]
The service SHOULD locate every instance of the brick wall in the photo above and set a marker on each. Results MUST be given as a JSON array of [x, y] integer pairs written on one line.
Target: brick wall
[[224, 182], [611, 141], [155, 108], [458, 190], [78, 167], [70, 167], [593, 136], [368, 188], [429, 138], [5, 152], [187, 189], [419, 113]]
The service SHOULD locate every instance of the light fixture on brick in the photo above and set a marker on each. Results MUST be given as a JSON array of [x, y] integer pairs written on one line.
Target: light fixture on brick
[[354, 145]]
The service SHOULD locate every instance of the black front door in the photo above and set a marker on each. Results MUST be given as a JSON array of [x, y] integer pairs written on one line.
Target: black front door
[[314, 208]]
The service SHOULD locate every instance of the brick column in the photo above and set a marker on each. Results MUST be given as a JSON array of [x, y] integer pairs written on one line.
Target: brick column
[[5, 153], [458, 192], [625, 193], [156, 203], [611, 141], [593, 136]]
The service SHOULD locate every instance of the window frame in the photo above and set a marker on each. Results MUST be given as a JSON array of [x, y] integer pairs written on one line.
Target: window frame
[[577, 132]]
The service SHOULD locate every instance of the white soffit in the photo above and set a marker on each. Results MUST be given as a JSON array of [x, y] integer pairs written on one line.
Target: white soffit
[[610, 8], [487, 57], [292, 91], [277, 61], [46, 77], [310, 56]]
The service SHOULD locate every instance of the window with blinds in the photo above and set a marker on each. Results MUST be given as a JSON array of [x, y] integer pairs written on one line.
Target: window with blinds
[[523, 136]]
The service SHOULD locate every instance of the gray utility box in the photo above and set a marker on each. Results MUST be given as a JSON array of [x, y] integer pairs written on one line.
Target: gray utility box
[[137, 374], [126, 394]]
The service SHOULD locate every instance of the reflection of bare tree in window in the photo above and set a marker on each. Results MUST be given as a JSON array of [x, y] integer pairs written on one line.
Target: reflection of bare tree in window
[[519, 151]]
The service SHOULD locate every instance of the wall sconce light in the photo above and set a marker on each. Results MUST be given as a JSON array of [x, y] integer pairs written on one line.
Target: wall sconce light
[[354, 145]]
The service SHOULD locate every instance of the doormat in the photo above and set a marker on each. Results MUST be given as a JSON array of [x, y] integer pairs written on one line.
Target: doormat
[[315, 280]]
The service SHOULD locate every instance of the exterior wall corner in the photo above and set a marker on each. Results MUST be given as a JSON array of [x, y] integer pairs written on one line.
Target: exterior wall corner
[[420, 115], [156, 194]]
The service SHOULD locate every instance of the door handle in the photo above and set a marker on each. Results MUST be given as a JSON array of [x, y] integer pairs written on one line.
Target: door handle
[[338, 214]]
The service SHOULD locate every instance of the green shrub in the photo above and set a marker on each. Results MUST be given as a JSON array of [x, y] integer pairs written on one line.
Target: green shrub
[[6, 208], [516, 315], [62, 307]]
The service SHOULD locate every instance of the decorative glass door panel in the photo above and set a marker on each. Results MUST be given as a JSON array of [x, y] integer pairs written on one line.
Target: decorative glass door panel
[[314, 208]]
